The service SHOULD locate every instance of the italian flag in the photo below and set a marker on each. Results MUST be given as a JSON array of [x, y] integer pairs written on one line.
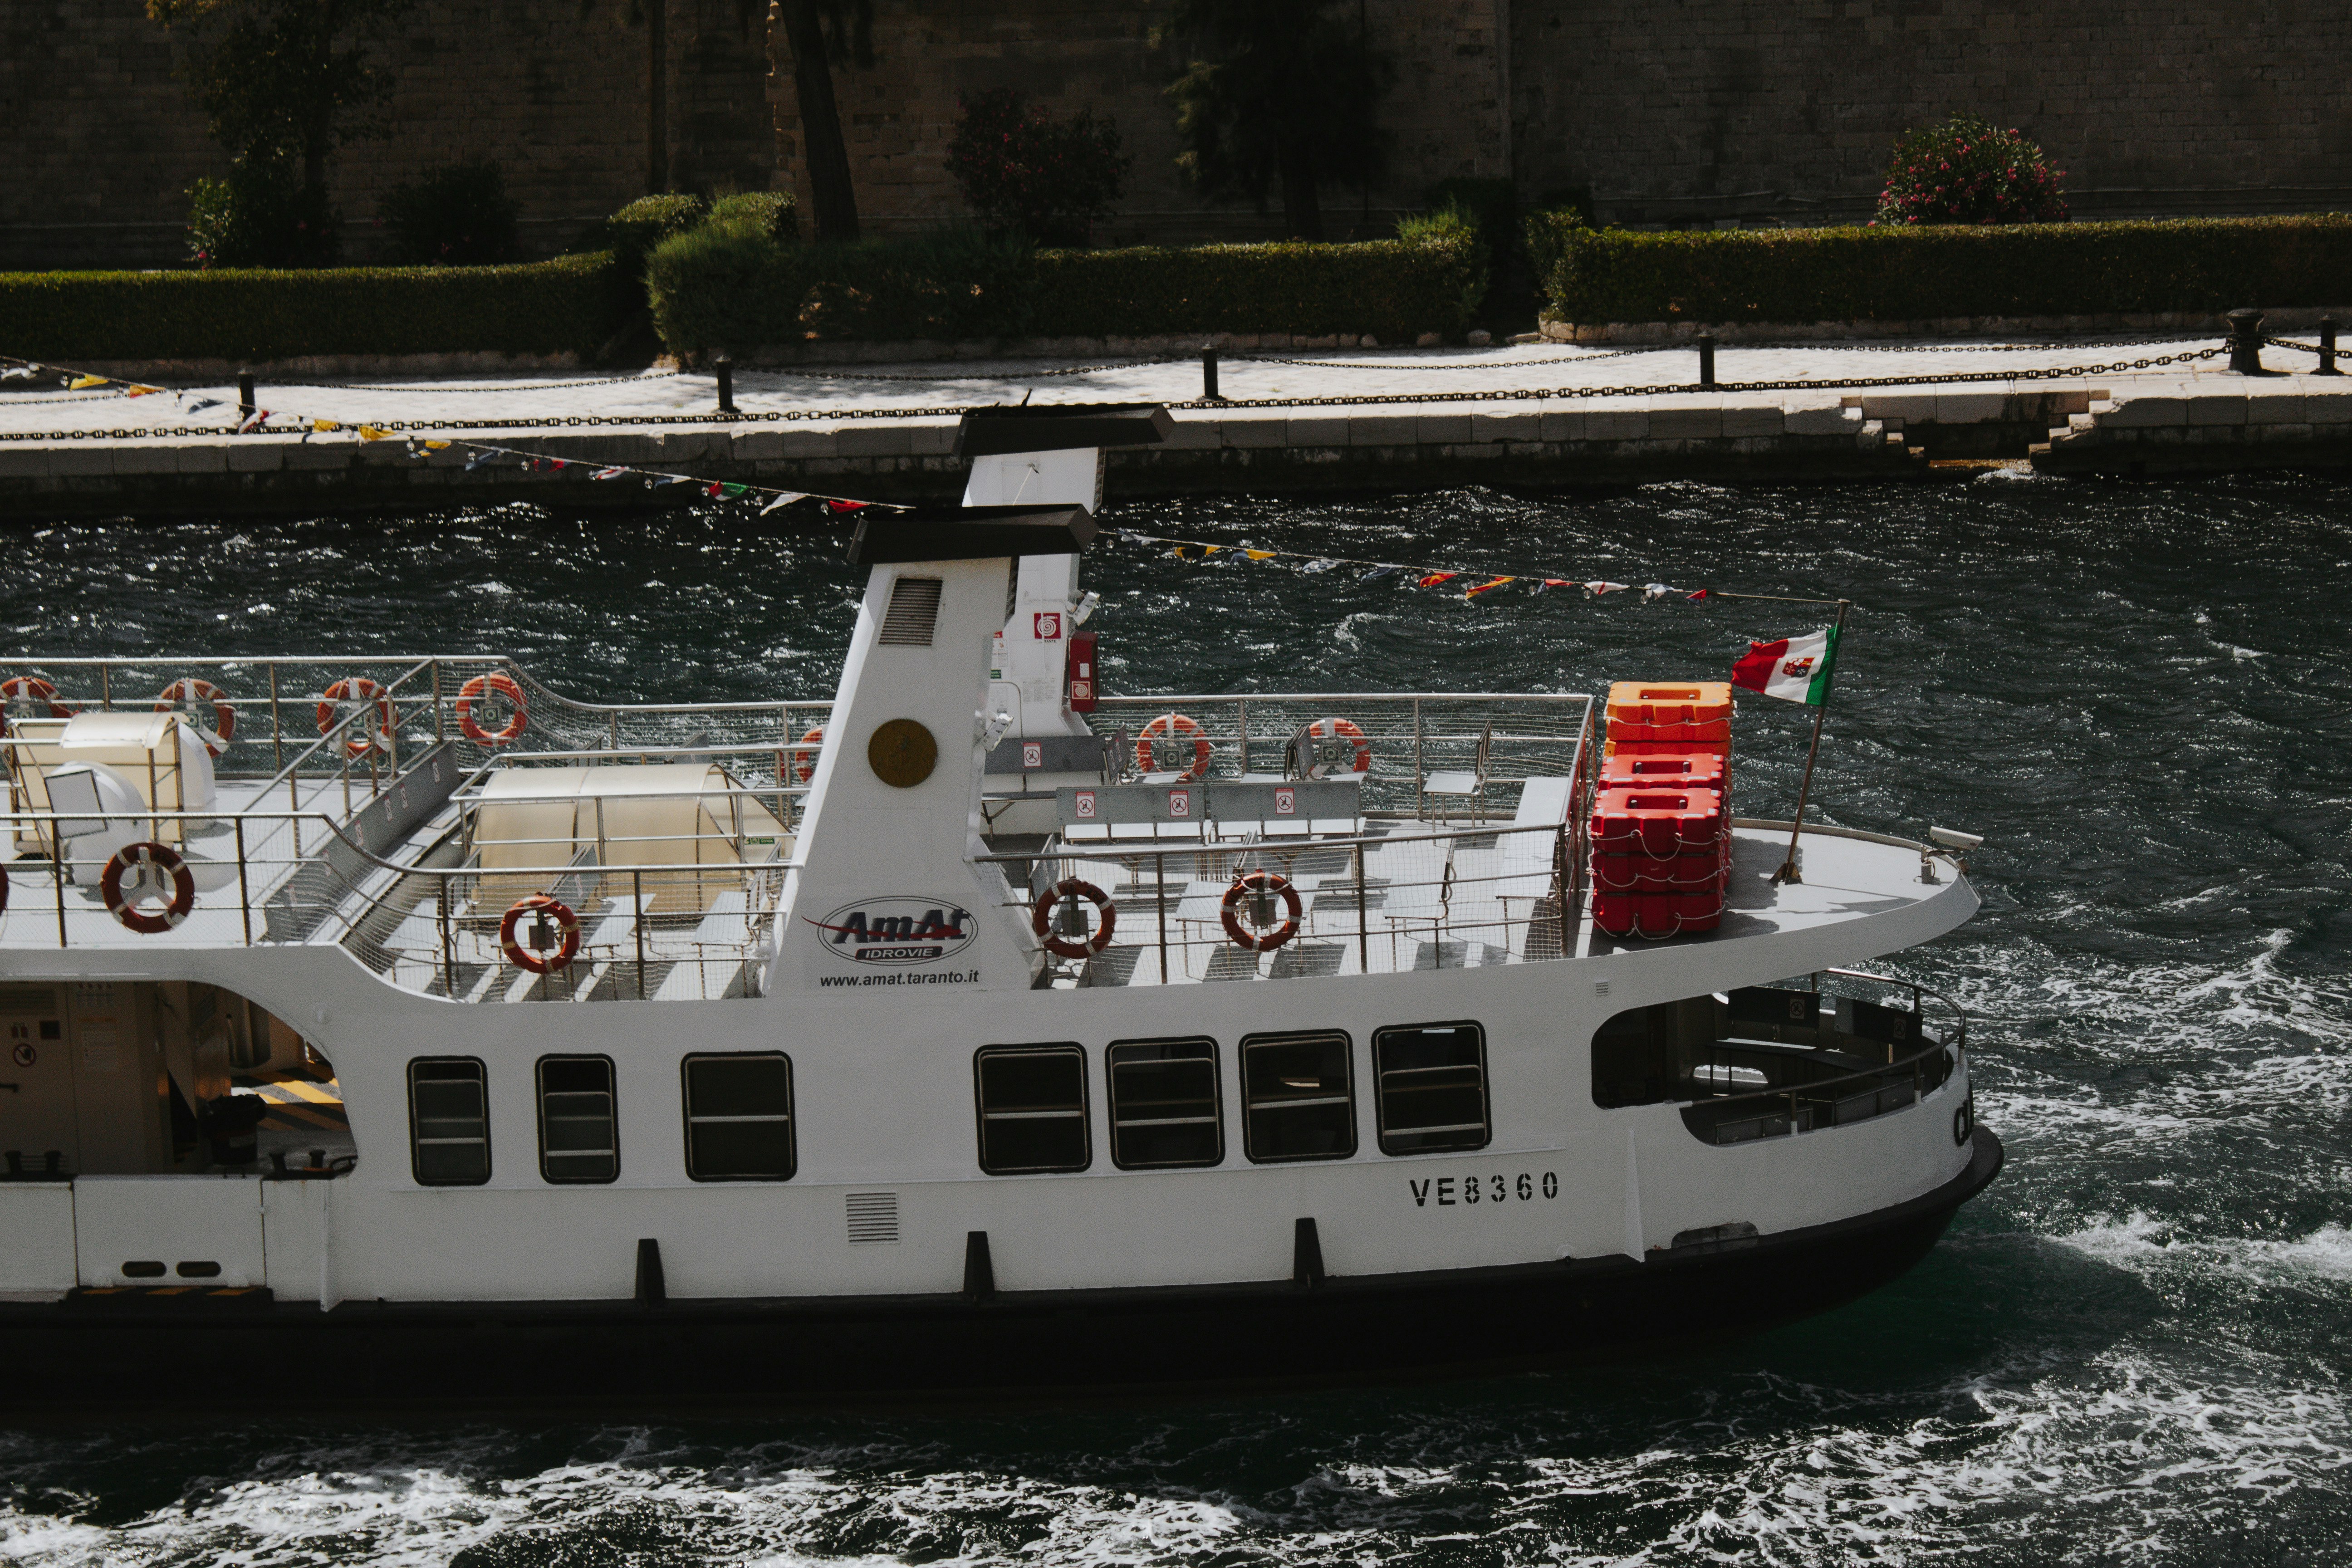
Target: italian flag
[[1795, 669]]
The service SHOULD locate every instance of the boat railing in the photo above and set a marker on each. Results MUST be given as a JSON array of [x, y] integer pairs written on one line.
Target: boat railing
[[1462, 753], [264, 716], [1821, 1084], [646, 910]]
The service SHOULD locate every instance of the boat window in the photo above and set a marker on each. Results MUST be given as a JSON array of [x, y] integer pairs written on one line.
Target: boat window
[[1299, 1097], [1032, 1108], [1432, 1088], [448, 1122], [1646, 1054], [1164, 1108], [739, 1116], [577, 1140]]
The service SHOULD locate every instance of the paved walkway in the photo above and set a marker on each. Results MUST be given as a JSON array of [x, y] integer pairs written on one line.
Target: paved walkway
[[43, 405]]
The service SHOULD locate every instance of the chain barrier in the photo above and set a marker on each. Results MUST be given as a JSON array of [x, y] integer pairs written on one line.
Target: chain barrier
[[1513, 395], [1015, 375], [534, 386], [1484, 364], [2290, 344]]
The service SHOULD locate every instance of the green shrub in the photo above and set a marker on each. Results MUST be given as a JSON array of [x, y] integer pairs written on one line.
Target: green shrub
[[726, 286], [776, 213], [1024, 173], [457, 215], [1969, 171], [1546, 235], [571, 304], [732, 286], [261, 215], [632, 232], [1492, 206], [1924, 272]]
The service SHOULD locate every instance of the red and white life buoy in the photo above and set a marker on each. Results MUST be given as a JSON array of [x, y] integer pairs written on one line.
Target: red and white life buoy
[[481, 688], [1172, 728], [191, 697], [359, 689], [31, 697], [154, 873], [554, 934], [1040, 917], [1251, 885], [802, 759], [1341, 730]]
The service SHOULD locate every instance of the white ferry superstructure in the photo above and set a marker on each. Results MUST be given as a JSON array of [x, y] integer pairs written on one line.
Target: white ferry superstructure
[[973, 1031]]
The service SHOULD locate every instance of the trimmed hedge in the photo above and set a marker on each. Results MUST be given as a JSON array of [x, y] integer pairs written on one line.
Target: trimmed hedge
[[1921, 273], [726, 288], [571, 304]]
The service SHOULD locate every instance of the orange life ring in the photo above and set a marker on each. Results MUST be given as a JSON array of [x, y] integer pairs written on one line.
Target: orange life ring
[[479, 691], [1173, 727], [29, 691], [156, 863], [546, 914], [1253, 882], [1341, 730], [1040, 917], [359, 688], [803, 757], [189, 694]]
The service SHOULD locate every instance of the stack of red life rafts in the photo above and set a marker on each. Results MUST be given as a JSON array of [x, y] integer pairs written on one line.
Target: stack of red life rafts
[[1661, 826]]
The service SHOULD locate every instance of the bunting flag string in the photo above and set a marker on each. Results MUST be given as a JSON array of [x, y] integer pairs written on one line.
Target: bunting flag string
[[1430, 576], [480, 455]]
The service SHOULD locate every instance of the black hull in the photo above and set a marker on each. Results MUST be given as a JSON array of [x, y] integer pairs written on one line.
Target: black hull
[[92, 1350]]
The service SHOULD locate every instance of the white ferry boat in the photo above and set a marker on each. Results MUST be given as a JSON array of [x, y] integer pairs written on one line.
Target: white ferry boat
[[973, 1030]]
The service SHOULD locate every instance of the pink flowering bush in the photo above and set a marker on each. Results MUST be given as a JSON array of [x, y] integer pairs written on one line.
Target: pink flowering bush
[[1024, 173], [1967, 170]]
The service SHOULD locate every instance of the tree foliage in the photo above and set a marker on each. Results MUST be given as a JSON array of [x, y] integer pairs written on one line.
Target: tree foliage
[[1968, 170], [453, 215], [1277, 93], [1023, 172], [284, 79]]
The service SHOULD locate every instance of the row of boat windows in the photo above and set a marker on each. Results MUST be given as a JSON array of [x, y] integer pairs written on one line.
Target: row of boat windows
[[1032, 1103]]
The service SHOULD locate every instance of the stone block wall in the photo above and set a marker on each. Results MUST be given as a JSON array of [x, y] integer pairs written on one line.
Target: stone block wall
[[1694, 110], [1446, 109], [102, 141]]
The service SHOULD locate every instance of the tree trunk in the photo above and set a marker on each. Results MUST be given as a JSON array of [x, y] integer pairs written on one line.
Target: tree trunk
[[821, 140], [657, 96], [1302, 214]]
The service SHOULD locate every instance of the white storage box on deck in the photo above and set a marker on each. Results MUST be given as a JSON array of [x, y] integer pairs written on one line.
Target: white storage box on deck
[[653, 815], [159, 755]]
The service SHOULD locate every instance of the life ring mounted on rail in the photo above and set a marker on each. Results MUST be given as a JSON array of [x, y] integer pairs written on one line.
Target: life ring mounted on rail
[[1074, 943], [1342, 730], [191, 696], [140, 874], [31, 697], [1253, 893], [1173, 727], [481, 688], [359, 689], [802, 759], [553, 938]]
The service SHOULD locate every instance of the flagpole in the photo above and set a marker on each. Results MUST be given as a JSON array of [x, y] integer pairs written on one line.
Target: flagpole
[[1787, 871]]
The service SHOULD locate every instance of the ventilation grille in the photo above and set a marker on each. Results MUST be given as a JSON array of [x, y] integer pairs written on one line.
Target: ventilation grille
[[914, 612], [873, 1217], [40, 1000]]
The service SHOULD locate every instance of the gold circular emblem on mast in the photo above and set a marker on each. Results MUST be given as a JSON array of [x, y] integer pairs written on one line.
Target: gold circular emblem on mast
[[902, 753]]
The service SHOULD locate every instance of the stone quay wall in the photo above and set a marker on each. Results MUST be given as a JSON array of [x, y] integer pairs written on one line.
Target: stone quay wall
[[1676, 112]]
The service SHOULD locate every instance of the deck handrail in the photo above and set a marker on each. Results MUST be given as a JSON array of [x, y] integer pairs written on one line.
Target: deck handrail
[[1956, 1044]]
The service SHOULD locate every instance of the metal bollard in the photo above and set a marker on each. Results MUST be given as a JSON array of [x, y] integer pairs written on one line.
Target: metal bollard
[[245, 403], [1707, 361], [2246, 341], [1209, 392], [2328, 346], [725, 368]]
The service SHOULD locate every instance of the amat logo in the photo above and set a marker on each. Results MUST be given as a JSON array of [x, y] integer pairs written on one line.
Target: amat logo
[[895, 931]]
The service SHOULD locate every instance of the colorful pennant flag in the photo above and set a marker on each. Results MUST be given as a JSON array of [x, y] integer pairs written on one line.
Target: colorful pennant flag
[[1261, 555], [84, 382], [1435, 578], [608, 473], [370, 433], [784, 499], [1487, 587]]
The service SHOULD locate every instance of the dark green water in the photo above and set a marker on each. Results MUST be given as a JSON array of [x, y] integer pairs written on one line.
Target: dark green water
[[2133, 1349]]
